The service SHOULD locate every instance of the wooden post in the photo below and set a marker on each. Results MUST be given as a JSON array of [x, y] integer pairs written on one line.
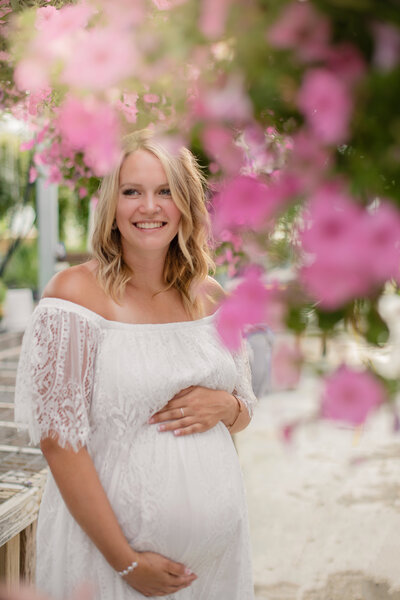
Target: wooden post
[[28, 553], [10, 562]]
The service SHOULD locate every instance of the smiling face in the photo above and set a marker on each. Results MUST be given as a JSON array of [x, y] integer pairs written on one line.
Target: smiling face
[[146, 215]]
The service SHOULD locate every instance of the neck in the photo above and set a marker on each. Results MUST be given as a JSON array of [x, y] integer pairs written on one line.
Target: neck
[[147, 269]]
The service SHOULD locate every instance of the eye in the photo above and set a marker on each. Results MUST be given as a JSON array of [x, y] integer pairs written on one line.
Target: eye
[[130, 192], [165, 192]]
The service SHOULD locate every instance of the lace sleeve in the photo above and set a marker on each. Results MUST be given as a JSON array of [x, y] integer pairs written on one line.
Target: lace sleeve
[[243, 386], [55, 377]]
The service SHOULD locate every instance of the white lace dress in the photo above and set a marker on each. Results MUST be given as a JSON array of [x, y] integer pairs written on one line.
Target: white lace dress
[[96, 382]]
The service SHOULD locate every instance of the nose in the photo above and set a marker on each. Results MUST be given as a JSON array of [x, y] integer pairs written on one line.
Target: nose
[[148, 204]]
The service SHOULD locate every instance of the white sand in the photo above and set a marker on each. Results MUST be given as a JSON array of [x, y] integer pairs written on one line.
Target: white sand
[[324, 512]]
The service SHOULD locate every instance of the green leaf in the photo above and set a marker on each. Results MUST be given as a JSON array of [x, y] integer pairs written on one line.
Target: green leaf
[[328, 320], [296, 319], [377, 331]]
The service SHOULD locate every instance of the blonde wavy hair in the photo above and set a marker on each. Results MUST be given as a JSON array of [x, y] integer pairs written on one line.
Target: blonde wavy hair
[[189, 258]]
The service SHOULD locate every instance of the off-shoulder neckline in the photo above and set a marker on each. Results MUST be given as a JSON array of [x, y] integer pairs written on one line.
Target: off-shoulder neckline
[[78, 308]]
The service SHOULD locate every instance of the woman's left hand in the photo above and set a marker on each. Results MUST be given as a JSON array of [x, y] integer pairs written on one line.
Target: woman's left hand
[[196, 409]]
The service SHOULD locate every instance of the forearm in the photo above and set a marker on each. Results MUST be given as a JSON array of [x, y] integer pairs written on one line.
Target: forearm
[[81, 489]]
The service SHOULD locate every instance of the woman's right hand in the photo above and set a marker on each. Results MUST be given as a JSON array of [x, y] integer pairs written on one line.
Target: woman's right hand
[[157, 575]]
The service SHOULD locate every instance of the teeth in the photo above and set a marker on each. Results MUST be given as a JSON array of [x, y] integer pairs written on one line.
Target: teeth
[[153, 225]]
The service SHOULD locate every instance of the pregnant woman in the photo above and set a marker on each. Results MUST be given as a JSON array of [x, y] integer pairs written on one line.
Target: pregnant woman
[[133, 397]]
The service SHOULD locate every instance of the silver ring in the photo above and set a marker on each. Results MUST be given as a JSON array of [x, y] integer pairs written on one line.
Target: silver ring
[[183, 414]]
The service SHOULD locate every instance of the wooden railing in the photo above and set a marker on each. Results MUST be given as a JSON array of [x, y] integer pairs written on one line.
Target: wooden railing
[[22, 477], [20, 498]]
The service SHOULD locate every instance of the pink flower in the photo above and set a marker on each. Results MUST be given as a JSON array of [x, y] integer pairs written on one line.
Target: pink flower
[[333, 282], [31, 73], [347, 62], [33, 174], [54, 175], [229, 236], [247, 305], [151, 98], [350, 395], [327, 105], [92, 127], [243, 203], [55, 23], [219, 144], [382, 239], [351, 250], [167, 4], [309, 160], [286, 365], [334, 237], [331, 222], [259, 158], [27, 145], [128, 106], [225, 102], [36, 99], [124, 13], [301, 28], [101, 58], [287, 432], [387, 45], [213, 17]]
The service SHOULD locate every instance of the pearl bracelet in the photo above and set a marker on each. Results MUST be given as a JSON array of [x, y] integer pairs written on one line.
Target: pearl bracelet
[[126, 571]]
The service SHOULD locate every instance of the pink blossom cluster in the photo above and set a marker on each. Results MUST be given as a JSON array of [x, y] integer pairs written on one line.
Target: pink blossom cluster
[[325, 96], [248, 203], [350, 395], [5, 9], [351, 250], [250, 303], [91, 127]]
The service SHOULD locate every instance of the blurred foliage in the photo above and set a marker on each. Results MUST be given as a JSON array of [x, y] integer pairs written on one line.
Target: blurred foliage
[[13, 173], [3, 291], [22, 270]]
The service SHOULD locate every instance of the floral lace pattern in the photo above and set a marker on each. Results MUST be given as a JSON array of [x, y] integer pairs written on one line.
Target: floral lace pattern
[[95, 382], [55, 377]]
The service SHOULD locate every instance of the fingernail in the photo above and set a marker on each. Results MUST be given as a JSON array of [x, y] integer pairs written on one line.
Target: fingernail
[[151, 420], [177, 432], [188, 571], [161, 427]]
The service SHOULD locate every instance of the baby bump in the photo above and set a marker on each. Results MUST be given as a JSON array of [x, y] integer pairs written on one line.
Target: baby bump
[[181, 497]]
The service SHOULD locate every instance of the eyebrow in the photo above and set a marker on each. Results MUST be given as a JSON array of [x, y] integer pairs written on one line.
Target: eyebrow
[[140, 185]]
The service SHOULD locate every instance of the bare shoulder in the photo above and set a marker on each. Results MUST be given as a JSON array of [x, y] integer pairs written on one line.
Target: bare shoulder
[[76, 284], [212, 294]]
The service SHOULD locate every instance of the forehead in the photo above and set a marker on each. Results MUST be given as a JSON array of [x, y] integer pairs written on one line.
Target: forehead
[[142, 167]]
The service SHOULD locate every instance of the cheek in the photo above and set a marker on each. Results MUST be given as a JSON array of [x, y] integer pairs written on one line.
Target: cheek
[[123, 209], [175, 213]]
